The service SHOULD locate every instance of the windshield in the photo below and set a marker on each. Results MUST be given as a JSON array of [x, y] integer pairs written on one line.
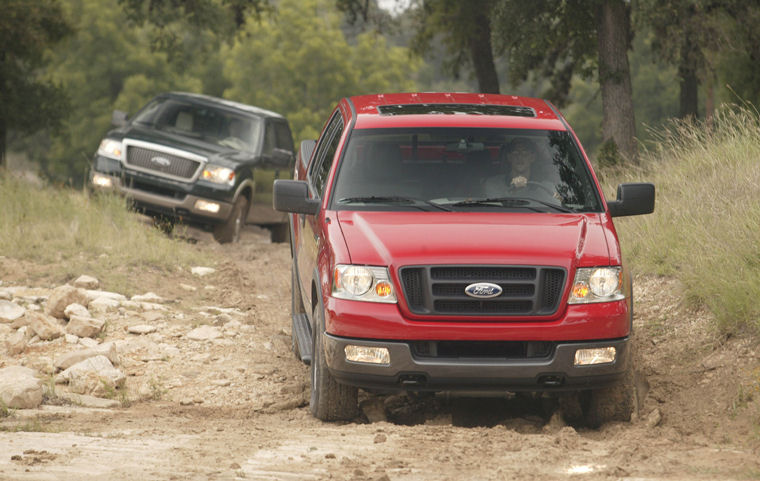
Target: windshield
[[458, 169], [216, 126]]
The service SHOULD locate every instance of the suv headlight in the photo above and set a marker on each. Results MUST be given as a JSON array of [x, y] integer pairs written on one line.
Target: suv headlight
[[363, 283], [111, 148], [218, 174], [597, 284]]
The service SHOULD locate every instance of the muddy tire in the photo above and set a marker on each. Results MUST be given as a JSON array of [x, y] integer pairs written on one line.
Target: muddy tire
[[330, 400], [596, 407], [230, 230], [296, 308]]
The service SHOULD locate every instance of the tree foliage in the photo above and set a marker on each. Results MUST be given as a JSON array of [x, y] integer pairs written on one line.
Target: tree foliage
[[299, 64], [29, 101]]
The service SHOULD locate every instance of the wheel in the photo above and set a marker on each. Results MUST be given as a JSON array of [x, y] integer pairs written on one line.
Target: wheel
[[330, 400], [280, 232], [613, 403], [296, 307], [593, 408], [230, 230]]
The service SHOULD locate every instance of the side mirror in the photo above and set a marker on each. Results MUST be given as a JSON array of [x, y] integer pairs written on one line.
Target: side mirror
[[281, 158], [119, 118], [632, 199], [293, 196]]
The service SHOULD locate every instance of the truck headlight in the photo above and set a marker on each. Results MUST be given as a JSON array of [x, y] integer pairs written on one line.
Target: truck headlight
[[218, 174], [111, 148], [362, 283], [597, 284]]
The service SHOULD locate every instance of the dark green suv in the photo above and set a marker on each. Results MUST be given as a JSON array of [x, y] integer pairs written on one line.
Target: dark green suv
[[200, 160]]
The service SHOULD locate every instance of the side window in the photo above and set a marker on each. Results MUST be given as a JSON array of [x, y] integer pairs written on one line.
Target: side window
[[270, 139], [284, 137], [325, 153]]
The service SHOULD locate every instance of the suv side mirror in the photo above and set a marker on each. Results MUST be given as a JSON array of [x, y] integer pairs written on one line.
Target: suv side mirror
[[119, 118], [293, 196], [632, 199], [281, 157]]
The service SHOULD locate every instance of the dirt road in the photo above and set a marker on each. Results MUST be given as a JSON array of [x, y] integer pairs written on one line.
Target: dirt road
[[235, 406]]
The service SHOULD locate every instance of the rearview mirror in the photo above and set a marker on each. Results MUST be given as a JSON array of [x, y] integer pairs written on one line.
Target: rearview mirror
[[632, 199]]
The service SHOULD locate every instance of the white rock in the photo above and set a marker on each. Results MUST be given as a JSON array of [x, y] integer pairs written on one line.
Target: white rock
[[104, 304], [71, 338], [86, 282], [141, 329], [16, 342], [202, 271], [62, 297], [188, 287], [88, 342], [204, 333], [96, 294], [46, 327], [10, 311], [5, 294], [76, 310], [149, 297], [85, 326], [70, 358], [152, 306], [89, 401], [20, 388], [94, 376]]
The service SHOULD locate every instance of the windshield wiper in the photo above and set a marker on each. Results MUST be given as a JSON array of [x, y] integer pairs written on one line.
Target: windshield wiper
[[511, 202], [380, 199]]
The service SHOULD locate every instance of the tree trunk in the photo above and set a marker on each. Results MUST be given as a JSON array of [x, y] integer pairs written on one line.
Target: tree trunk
[[689, 83], [481, 53], [615, 78]]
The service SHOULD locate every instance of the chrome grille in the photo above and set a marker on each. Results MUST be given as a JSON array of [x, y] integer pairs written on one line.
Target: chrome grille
[[440, 290], [162, 163]]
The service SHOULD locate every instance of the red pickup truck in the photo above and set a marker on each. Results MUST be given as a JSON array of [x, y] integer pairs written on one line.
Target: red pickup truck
[[450, 241]]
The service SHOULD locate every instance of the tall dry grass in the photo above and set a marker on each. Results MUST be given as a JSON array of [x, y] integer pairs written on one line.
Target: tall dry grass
[[77, 233], [706, 225]]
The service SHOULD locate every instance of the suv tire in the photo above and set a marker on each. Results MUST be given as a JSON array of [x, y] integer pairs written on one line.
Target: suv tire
[[230, 230], [330, 400]]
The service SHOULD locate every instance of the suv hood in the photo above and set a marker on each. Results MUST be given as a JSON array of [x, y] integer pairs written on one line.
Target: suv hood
[[420, 238]]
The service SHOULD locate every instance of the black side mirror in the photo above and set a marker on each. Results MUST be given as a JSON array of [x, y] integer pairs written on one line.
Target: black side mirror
[[281, 158], [632, 199], [293, 196], [119, 118]]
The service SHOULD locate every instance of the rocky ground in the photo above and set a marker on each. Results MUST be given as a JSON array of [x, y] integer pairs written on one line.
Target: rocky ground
[[193, 378]]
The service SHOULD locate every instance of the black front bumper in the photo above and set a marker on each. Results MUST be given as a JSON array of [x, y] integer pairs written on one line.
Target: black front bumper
[[408, 371]]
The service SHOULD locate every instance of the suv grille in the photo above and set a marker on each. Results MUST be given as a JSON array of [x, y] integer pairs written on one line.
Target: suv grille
[[440, 290], [162, 163]]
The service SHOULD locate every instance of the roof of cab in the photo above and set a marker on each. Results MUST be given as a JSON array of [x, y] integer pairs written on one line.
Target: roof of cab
[[201, 98], [418, 109]]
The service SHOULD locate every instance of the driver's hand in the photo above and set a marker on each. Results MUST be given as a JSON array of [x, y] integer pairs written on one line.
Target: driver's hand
[[519, 181]]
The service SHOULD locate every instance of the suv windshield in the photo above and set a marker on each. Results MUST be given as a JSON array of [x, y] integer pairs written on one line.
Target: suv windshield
[[464, 169], [217, 126]]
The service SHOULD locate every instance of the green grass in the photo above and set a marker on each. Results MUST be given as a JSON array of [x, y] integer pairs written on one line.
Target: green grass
[[79, 233], [706, 226]]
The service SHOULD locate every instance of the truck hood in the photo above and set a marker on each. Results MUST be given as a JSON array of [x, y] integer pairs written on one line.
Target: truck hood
[[214, 152], [422, 238]]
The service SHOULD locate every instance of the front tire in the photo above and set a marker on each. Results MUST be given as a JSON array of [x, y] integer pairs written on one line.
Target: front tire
[[330, 400], [230, 230]]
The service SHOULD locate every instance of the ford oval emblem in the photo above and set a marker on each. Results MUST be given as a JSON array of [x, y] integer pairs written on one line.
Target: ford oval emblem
[[483, 290], [162, 161]]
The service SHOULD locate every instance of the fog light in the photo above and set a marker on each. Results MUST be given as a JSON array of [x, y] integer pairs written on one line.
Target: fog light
[[600, 355], [212, 207], [102, 181], [370, 355]]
